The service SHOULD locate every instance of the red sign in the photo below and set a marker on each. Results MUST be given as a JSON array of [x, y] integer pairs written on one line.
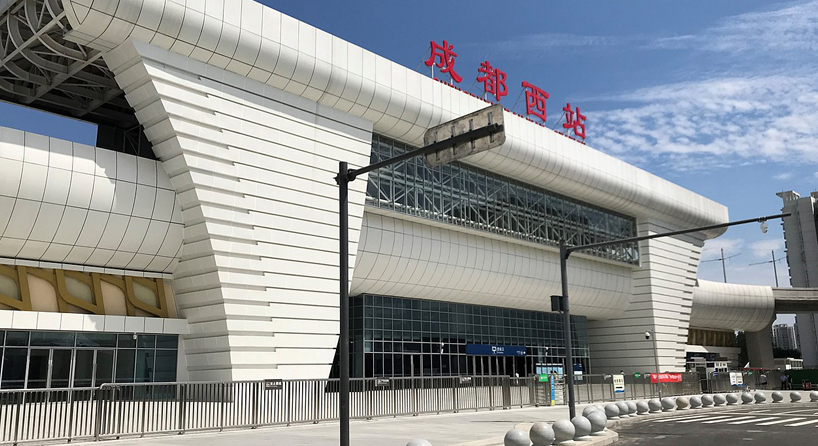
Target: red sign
[[574, 120], [535, 100], [494, 83], [666, 377], [446, 59], [494, 80]]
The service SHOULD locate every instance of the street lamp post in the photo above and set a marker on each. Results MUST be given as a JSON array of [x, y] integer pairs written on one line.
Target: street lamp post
[[475, 132], [565, 252], [652, 334]]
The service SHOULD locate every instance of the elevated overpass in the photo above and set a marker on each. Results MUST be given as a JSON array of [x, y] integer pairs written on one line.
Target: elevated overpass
[[796, 300]]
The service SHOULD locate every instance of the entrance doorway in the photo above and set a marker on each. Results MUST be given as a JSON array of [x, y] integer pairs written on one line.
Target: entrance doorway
[[48, 367]]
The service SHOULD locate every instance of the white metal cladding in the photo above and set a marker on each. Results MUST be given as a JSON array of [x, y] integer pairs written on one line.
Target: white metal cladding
[[728, 306], [68, 203], [398, 257], [246, 38], [258, 276]]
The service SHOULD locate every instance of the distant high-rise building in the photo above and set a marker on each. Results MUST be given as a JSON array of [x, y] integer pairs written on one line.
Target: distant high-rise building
[[784, 337], [801, 236]]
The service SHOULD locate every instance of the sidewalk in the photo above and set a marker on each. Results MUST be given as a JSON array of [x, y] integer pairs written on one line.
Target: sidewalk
[[460, 429]]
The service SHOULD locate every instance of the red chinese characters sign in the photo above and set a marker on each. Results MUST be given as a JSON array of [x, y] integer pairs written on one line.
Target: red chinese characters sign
[[494, 80], [494, 84], [666, 377], [574, 120], [445, 57], [535, 100]]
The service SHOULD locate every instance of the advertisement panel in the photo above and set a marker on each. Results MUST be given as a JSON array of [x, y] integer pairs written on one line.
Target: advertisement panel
[[665, 377], [619, 383]]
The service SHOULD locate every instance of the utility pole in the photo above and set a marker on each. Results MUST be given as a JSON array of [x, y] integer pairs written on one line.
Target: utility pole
[[722, 259], [773, 261]]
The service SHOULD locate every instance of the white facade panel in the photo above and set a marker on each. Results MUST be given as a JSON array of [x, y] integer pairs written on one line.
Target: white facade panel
[[70, 206]]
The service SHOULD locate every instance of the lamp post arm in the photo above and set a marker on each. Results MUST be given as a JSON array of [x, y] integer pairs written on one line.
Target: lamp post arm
[[571, 249]]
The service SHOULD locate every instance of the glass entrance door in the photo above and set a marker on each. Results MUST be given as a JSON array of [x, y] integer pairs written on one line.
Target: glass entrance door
[[48, 368], [37, 377]]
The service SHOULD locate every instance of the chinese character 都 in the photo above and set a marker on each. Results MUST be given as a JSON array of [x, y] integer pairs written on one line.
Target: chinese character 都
[[494, 80], [535, 100], [446, 59], [574, 120]]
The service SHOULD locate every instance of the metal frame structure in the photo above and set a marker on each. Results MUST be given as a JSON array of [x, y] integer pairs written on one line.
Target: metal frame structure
[[41, 68]]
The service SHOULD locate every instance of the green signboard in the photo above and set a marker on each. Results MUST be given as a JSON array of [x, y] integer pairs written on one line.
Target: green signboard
[[544, 377], [637, 375]]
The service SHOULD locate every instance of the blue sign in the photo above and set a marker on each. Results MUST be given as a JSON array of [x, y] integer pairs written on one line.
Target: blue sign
[[495, 350]]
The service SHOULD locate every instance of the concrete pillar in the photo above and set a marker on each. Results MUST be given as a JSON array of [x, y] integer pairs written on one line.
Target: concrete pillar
[[760, 347]]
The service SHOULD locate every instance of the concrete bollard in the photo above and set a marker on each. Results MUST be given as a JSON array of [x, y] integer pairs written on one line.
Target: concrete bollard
[[719, 399], [590, 409], [746, 398], [668, 404], [582, 428], [542, 434], [631, 408], [642, 408], [598, 423], [682, 403], [707, 400], [623, 409], [655, 405], [695, 402], [516, 437], [418, 442], [777, 397], [813, 396], [760, 397], [732, 399], [795, 397], [600, 407], [612, 411], [563, 432]]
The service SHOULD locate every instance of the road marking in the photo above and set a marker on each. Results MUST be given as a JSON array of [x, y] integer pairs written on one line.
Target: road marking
[[753, 421], [786, 420], [728, 419], [666, 420], [803, 423], [798, 411], [715, 418]]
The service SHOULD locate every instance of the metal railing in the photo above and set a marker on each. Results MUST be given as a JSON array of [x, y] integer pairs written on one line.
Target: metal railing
[[120, 410], [599, 388]]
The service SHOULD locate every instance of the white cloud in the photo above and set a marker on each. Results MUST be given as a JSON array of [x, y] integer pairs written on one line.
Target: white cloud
[[758, 110], [784, 176], [761, 249], [712, 248], [793, 28], [694, 125]]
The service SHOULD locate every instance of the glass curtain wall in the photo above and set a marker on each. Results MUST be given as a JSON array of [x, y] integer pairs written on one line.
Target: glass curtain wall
[[37, 360], [393, 337], [467, 196]]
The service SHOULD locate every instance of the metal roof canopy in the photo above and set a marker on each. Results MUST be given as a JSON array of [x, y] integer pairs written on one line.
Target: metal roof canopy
[[39, 68]]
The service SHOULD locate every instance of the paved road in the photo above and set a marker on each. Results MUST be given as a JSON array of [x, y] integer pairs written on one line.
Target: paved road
[[768, 424]]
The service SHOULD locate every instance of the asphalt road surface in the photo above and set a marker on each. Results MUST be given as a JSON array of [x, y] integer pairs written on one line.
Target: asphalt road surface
[[768, 424]]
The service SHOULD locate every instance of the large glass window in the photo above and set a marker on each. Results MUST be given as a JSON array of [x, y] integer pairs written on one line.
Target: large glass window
[[413, 347], [467, 196], [41, 359]]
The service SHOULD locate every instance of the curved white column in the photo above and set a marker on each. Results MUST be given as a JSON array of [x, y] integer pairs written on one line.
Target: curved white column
[[730, 306], [64, 203]]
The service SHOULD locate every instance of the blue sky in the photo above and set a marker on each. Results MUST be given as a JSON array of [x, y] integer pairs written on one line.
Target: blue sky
[[720, 97]]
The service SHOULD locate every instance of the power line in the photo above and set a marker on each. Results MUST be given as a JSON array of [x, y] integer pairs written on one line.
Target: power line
[[773, 261], [722, 259]]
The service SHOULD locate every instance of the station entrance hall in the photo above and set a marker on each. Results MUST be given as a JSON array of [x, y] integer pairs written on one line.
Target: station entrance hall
[[399, 337]]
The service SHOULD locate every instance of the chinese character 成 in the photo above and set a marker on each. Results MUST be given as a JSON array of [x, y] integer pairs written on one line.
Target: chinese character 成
[[535, 100], [446, 59], [574, 120], [494, 80]]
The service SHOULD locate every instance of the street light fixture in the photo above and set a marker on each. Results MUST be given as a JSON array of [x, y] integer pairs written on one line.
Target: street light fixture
[[566, 251], [459, 138], [648, 335]]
